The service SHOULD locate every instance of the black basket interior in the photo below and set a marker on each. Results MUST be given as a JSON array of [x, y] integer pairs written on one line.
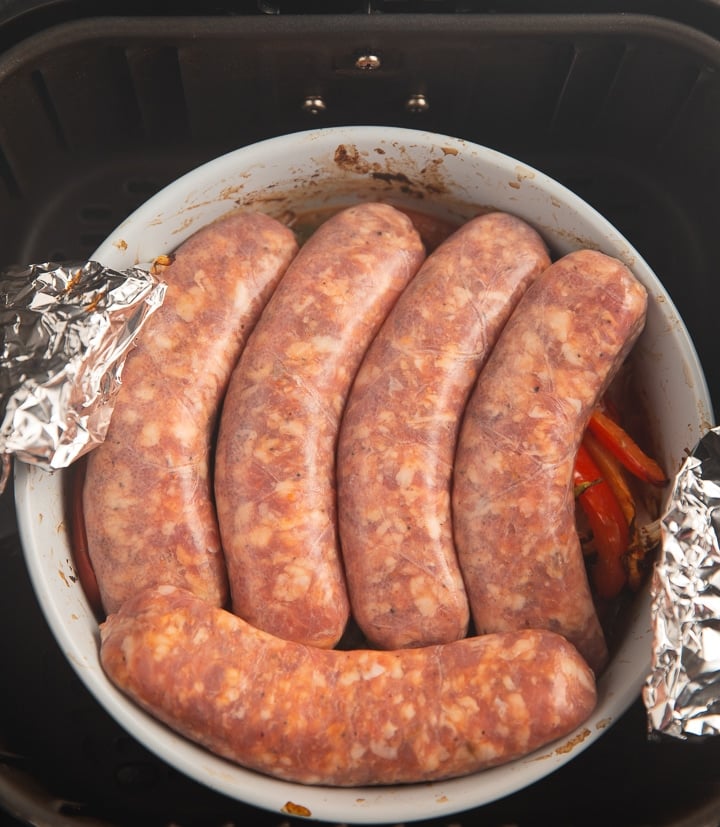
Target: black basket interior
[[98, 113]]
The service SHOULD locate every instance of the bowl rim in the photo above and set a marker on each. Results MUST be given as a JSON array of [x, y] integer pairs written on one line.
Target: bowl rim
[[352, 805]]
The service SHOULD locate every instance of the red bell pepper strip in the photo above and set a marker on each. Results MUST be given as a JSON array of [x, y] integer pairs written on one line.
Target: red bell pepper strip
[[608, 524], [613, 473], [619, 442]]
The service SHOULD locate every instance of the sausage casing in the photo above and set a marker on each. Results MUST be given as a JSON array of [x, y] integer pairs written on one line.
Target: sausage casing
[[343, 718], [399, 430], [275, 457], [513, 496], [147, 498]]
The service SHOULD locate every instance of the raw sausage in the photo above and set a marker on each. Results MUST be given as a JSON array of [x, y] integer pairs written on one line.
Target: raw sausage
[[343, 718], [513, 503], [275, 458], [147, 497], [398, 433]]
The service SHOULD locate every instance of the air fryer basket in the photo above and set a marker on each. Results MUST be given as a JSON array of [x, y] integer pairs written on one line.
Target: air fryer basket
[[97, 113]]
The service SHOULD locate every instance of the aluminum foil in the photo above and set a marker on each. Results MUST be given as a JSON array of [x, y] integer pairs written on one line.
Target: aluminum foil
[[66, 330], [682, 692]]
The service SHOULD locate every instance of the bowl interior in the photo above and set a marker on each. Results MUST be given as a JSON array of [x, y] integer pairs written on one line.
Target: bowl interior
[[319, 170]]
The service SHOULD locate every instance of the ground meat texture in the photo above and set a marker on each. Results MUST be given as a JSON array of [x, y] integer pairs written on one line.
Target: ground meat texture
[[275, 458], [399, 430], [147, 498], [343, 718], [513, 498]]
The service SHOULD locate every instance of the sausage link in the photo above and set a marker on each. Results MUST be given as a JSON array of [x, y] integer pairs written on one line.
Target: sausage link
[[147, 497], [343, 718], [399, 430], [275, 458], [513, 498]]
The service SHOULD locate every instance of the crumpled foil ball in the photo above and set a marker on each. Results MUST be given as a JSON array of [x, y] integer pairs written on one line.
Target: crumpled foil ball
[[66, 330]]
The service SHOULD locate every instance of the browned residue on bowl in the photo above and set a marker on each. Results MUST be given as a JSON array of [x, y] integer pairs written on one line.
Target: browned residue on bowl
[[573, 742], [348, 175], [542, 757], [393, 177], [428, 180], [293, 809], [161, 263], [347, 156]]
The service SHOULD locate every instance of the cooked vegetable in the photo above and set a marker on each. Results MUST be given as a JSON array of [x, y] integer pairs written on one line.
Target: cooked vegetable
[[638, 558], [613, 473], [608, 524], [602, 489], [610, 434]]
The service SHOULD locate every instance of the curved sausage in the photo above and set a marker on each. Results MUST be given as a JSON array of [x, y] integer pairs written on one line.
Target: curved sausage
[[514, 509], [344, 718], [275, 471], [398, 433], [147, 496]]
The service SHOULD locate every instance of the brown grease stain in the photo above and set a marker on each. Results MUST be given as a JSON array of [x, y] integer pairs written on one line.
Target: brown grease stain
[[428, 180], [401, 178], [390, 177], [542, 757], [573, 742], [348, 157], [293, 809]]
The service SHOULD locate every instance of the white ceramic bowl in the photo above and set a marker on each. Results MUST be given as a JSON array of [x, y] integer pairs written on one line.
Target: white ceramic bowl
[[317, 170]]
